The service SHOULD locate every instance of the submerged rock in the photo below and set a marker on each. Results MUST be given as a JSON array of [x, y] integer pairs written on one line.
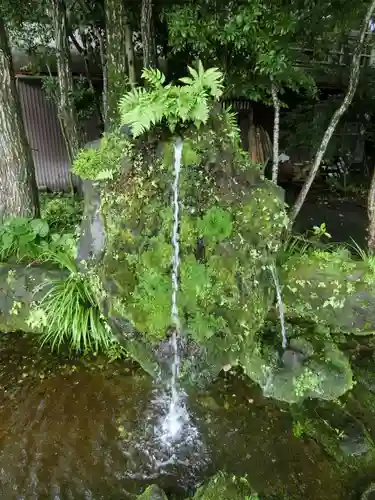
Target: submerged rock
[[153, 492], [224, 487]]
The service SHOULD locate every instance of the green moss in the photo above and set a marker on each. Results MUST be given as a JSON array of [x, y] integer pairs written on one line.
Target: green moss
[[224, 487], [153, 492], [222, 242], [330, 288]]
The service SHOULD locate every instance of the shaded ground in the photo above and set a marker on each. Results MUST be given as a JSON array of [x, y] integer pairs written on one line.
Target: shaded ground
[[345, 217]]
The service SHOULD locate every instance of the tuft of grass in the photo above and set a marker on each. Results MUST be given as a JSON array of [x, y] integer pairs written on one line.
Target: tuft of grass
[[70, 312]]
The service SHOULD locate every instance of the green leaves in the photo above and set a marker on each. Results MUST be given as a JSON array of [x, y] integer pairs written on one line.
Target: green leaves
[[102, 163], [142, 108]]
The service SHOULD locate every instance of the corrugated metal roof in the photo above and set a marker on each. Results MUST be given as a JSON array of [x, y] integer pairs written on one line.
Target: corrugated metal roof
[[45, 138]]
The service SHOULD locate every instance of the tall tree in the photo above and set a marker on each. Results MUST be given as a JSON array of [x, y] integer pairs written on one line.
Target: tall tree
[[353, 84], [116, 64], [148, 38], [18, 190], [66, 104]]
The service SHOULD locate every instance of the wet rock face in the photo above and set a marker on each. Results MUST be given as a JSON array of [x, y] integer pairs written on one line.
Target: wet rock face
[[92, 240], [311, 367]]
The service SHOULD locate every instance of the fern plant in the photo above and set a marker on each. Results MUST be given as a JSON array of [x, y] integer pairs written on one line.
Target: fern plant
[[142, 108]]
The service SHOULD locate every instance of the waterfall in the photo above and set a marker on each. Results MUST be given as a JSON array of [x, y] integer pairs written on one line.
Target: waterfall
[[280, 304], [177, 413]]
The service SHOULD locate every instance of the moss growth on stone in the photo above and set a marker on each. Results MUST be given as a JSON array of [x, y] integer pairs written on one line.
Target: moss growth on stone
[[224, 487], [310, 367], [332, 289], [18, 292], [153, 492], [231, 222]]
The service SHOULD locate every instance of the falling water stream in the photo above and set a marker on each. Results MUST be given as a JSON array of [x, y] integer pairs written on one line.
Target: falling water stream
[[280, 304], [177, 414]]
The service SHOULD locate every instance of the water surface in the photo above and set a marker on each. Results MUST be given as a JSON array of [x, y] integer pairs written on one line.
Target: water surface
[[89, 430]]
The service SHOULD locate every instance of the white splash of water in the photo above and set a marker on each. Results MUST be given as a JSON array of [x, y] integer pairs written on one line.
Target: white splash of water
[[177, 414], [280, 304]]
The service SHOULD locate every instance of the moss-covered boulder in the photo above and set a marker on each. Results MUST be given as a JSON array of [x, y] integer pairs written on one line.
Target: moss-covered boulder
[[340, 432], [332, 289], [231, 224], [312, 366], [20, 287], [153, 492], [225, 487]]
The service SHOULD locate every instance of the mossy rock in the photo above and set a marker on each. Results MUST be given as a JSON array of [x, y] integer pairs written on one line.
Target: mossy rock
[[310, 367], [20, 287], [225, 487], [231, 225], [342, 435], [330, 288], [153, 492]]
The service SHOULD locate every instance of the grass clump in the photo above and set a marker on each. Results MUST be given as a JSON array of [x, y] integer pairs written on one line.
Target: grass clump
[[69, 313]]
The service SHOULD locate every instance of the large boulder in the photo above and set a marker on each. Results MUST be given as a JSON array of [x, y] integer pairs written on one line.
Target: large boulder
[[331, 289], [231, 225]]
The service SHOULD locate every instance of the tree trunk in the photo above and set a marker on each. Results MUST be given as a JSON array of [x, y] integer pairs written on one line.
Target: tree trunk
[[65, 105], [276, 130], [371, 215], [148, 41], [18, 190], [353, 83], [117, 71], [130, 53]]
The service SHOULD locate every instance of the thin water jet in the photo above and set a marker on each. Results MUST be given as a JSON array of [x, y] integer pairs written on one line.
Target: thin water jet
[[280, 304], [177, 414]]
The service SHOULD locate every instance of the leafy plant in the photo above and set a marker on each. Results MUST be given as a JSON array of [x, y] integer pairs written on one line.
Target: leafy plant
[[104, 162], [69, 312], [28, 240], [62, 213], [142, 108], [20, 238]]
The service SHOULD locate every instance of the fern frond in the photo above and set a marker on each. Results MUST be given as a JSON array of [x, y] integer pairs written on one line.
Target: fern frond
[[200, 111], [212, 79], [154, 77]]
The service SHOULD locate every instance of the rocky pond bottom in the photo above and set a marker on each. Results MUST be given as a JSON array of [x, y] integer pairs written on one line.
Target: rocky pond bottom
[[86, 430]]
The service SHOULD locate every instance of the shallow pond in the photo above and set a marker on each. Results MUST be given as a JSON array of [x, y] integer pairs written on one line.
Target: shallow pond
[[86, 430]]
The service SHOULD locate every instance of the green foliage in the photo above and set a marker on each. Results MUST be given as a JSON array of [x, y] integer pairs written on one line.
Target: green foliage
[[83, 96], [27, 240], [20, 237], [63, 213], [143, 108], [256, 43], [69, 312], [225, 236], [105, 162]]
